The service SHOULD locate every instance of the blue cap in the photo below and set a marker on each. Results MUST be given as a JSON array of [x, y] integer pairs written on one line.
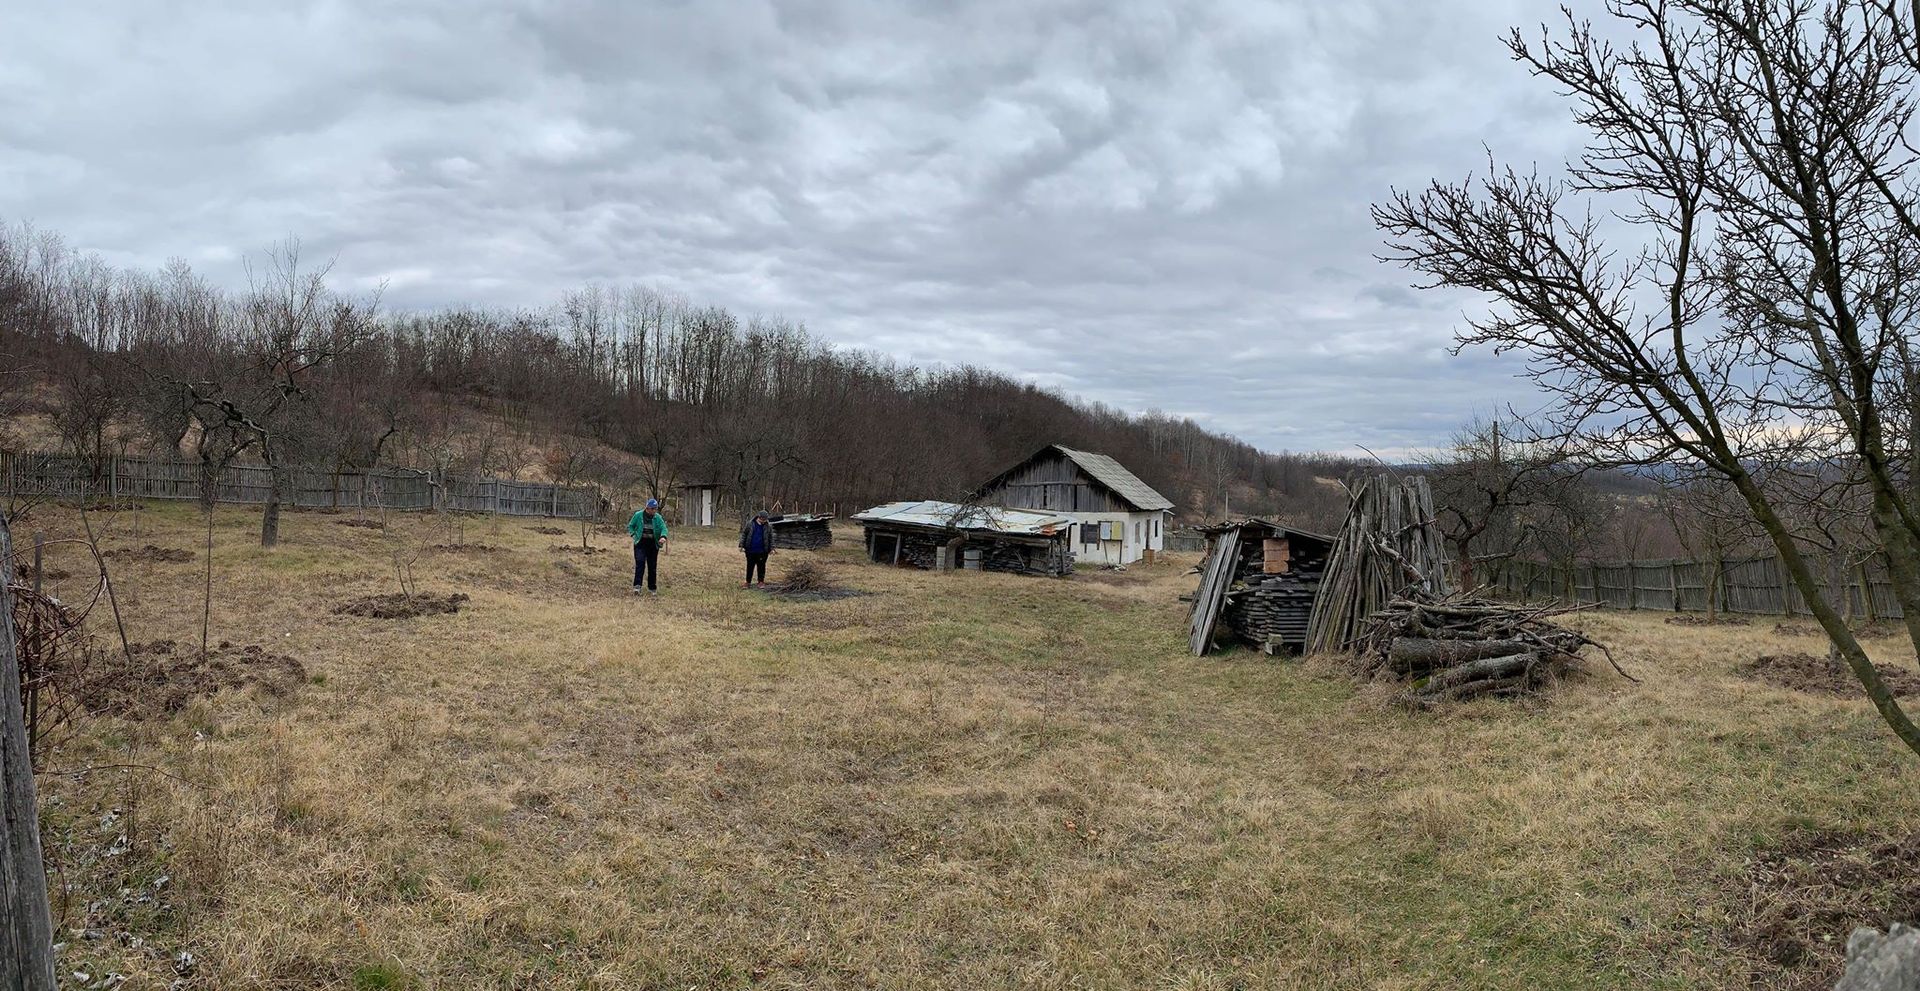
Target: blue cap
[[653, 504]]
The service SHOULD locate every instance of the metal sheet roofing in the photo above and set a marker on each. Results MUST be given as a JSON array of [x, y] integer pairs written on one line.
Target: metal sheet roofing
[[944, 515], [1115, 476]]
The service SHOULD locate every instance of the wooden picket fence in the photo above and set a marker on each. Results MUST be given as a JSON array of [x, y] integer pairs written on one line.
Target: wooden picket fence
[[1756, 585], [36, 475]]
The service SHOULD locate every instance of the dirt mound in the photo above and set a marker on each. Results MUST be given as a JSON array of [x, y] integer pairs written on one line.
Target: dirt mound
[[809, 582], [1807, 673], [1695, 619], [104, 506], [1801, 899], [576, 549], [163, 677], [364, 524], [150, 554], [551, 531], [467, 548], [396, 606], [25, 572]]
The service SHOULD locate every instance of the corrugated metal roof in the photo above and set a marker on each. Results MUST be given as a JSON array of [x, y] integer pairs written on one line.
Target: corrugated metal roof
[[992, 519], [1115, 476]]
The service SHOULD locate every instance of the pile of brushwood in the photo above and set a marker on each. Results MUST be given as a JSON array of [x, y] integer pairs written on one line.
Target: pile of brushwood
[[1452, 647]]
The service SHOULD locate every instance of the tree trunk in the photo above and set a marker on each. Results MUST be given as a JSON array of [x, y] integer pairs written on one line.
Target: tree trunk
[[270, 518], [1829, 620], [26, 920]]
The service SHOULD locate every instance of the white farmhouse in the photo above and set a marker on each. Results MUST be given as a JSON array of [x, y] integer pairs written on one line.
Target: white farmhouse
[[1117, 518]]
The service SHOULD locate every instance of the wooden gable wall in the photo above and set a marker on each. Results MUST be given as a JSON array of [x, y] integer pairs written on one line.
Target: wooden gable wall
[[1054, 483]]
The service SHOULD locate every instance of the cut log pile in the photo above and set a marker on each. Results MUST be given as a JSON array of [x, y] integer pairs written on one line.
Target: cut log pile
[[1447, 648]]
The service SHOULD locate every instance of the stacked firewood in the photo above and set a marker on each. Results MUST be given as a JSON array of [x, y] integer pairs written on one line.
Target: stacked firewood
[[1452, 647], [803, 533]]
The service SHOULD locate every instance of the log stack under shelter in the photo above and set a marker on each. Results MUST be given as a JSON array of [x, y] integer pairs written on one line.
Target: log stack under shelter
[[1258, 585], [803, 532]]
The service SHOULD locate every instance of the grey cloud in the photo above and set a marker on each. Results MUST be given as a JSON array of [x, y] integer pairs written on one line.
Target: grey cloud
[[1153, 205]]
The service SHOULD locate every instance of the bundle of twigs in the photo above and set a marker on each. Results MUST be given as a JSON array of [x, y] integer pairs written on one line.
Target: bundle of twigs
[[1388, 546], [1455, 647]]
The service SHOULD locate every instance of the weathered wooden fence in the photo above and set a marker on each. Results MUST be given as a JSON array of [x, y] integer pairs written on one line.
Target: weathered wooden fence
[[1737, 585], [63, 476]]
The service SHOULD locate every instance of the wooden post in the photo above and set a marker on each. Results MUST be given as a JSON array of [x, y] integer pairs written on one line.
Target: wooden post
[[26, 921], [1866, 593]]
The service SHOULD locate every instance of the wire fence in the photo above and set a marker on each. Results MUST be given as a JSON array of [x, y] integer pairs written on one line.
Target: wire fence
[[35, 475], [1755, 585]]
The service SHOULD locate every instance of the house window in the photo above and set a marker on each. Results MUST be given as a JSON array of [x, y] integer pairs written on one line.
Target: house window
[[1156, 527], [1089, 533]]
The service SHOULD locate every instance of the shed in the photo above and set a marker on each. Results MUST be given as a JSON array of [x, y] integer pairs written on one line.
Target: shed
[[699, 503], [941, 535], [1258, 583], [1118, 519]]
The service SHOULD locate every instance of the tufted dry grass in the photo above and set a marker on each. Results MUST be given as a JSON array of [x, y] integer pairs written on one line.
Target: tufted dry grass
[[964, 781]]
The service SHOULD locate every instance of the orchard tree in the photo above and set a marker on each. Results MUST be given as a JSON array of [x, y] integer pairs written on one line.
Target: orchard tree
[[1747, 303]]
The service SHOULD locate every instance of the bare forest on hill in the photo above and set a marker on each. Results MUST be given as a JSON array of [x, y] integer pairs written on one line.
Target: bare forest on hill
[[633, 389]]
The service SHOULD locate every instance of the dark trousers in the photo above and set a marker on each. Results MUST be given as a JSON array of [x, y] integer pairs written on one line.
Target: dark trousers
[[646, 562], [756, 561]]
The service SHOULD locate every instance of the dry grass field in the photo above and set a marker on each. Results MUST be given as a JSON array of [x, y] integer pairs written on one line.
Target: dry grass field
[[959, 781]]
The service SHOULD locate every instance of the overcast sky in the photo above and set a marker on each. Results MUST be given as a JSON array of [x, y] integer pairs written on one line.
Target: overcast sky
[[1154, 205]]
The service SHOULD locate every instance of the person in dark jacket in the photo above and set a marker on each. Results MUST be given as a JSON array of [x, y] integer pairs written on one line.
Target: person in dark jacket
[[756, 539]]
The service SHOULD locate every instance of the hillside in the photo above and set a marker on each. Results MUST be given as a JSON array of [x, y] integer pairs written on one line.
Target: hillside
[[631, 388]]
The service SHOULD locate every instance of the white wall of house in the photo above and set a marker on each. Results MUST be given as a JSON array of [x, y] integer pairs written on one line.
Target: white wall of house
[[1139, 532]]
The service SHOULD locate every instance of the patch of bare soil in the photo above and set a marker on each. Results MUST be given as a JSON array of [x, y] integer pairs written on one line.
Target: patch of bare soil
[[576, 549], [1813, 675], [363, 524], [1800, 900], [26, 572], [809, 582], [163, 677], [1797, 630], [150, 554], [551, 531], [394, 605], [1696, 619], [467, 548]]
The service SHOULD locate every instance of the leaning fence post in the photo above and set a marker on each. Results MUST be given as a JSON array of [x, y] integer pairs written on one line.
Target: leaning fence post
[[26, 921]]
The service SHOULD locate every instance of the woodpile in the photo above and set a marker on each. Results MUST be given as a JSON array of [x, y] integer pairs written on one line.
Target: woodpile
[[1258, 583], [1388, 547], [1448, 648], [802, 532]]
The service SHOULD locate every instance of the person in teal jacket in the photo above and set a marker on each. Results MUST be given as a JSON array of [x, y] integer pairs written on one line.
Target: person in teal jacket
[[649, 532]]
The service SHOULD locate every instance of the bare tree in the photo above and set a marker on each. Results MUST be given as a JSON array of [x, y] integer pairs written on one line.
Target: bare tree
[[1757, 152], [290, 324], [1482, 482]]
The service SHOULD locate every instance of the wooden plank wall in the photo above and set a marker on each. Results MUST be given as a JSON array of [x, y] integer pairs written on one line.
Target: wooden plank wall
[[1054, 484], [1755, 585], [60, 476]]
